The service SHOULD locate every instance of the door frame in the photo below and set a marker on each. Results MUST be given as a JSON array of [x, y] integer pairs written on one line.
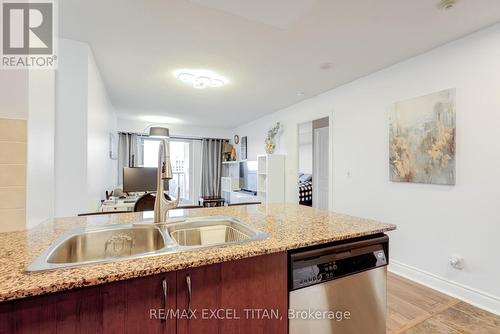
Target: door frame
[[330, 153]]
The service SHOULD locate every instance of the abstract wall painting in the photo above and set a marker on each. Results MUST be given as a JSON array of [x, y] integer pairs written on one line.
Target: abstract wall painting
[[422, 139]]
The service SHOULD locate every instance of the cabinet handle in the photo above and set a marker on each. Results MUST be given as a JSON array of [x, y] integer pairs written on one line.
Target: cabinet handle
[[165, 294], [188, 284]]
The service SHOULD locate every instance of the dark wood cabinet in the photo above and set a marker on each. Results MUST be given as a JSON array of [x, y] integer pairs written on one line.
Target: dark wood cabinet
[[140, 305], [130, 306], [198, 292], [257, 291], [230, 297]]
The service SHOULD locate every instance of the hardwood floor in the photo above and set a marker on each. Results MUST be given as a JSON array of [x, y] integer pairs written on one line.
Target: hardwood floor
[[416, 309]]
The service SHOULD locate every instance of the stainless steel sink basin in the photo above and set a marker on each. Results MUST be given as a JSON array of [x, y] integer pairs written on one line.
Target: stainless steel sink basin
[[101, 244], [212, 231], [110, 243]]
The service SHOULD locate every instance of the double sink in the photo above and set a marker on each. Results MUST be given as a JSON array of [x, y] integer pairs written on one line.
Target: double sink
[[108, 243]]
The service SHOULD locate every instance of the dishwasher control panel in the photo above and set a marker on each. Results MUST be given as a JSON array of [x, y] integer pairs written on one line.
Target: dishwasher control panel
[[314, 269]]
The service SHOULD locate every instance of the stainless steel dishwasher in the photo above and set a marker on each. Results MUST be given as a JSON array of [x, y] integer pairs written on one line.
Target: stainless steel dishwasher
[[340, 288]]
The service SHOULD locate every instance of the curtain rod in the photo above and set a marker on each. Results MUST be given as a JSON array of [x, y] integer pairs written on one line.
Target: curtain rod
[[172, 137]]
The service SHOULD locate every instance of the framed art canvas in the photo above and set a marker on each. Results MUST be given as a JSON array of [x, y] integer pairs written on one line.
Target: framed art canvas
[[422, 139]]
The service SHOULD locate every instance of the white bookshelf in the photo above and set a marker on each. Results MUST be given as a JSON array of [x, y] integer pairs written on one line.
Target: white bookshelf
[[271, 178], [230, 180], [229, 183]]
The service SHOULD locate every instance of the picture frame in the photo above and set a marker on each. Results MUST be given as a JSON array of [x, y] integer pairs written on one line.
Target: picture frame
[[243, 148]]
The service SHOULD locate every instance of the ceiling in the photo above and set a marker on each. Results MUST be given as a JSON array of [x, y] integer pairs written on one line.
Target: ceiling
[[269, 50]]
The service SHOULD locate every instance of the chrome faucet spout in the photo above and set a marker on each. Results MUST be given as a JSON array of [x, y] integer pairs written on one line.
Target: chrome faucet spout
[[162, 205]]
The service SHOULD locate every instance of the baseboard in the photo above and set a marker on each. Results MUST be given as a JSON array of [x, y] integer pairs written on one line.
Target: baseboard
[[467, 294]]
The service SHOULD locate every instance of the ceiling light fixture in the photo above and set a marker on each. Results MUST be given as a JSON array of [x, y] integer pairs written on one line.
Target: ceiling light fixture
[[186, 77], [200, 79]]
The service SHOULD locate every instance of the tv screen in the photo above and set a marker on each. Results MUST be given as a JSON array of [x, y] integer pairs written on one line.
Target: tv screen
[[248, 176]]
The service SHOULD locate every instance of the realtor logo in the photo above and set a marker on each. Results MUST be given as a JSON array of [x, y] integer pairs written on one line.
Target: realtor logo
[[28, 34]]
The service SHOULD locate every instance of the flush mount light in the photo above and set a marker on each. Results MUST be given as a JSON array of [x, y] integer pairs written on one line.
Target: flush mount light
[[200, 79], [217, 83], [186, 77], [326, 66], [202, 82]]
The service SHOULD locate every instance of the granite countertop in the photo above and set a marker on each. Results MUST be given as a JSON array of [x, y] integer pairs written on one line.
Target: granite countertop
[[289, 226]]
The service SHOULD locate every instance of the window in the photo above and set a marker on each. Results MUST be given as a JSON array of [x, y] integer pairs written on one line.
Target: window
[[180, 158]]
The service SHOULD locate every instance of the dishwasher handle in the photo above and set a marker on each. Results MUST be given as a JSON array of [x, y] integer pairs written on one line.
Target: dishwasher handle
[[333, 257], [342, 250]]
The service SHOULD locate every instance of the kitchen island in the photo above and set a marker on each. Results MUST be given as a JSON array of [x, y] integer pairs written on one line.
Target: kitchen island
[[125, 293]]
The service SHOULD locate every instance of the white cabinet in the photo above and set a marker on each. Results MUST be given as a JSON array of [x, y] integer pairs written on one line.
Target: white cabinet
[[271, 178]]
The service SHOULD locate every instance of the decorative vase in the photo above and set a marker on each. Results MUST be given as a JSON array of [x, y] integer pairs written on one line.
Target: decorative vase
[[270, 142], [270, 146]]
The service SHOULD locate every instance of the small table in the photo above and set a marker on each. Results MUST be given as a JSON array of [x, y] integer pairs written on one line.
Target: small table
[[211, 202], [118, 205]]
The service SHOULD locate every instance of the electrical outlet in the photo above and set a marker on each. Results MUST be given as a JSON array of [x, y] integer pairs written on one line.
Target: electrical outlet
[[457, 262]]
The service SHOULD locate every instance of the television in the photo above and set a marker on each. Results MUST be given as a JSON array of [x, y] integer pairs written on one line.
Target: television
[[248, 176]]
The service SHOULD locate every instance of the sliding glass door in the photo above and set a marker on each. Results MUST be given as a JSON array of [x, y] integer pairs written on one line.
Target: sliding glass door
[[181, 157]]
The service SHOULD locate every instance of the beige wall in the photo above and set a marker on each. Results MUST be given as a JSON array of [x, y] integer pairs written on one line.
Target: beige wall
[[12, 174]]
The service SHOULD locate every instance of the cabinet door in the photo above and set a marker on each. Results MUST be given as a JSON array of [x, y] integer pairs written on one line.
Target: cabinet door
[[75, 311], [140, 305], [256, 290], [244, 296], [130, 306], [198, 292]]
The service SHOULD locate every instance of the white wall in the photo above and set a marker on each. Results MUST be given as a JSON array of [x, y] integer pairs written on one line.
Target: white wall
[[71, 129], [305, 148], [84, 118], [101, 170], [434, 222], [305, 158]]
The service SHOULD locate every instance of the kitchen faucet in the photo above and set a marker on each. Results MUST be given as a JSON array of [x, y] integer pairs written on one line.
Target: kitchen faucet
[[162, 205]]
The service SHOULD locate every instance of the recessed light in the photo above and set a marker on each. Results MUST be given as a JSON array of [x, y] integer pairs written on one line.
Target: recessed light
[[447, 4], [200, 79], [326, 66]]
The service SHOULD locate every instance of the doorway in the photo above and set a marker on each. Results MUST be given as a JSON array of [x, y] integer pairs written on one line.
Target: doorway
[[313, 163]]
